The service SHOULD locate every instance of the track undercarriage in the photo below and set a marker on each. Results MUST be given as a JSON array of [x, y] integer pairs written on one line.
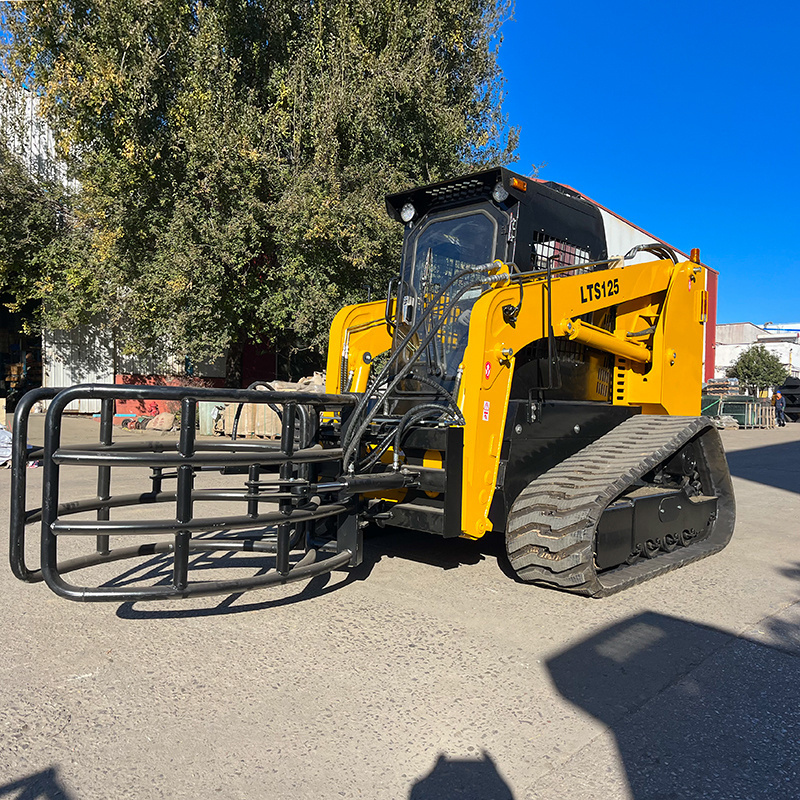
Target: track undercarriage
[[652, 495]]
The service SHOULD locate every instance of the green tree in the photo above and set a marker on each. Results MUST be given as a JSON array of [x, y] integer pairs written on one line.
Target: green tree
[[233, 156], [31, 225], [757, 368]]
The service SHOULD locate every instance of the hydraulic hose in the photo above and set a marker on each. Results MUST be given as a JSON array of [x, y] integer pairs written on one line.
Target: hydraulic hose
[[414, 415], [353, 439], [382, 394], [238, 414], [395, 435]]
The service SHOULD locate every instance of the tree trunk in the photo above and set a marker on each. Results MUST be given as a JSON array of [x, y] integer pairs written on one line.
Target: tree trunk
[[233, 364]]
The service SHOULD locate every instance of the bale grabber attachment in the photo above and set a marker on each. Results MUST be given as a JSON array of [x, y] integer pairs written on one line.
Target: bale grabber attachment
[[203, 499]]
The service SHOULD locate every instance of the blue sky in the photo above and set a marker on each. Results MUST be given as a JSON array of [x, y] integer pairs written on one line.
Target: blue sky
[[681, 116]]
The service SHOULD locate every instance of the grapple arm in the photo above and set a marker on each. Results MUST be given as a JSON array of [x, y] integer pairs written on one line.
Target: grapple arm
[[294, 506]]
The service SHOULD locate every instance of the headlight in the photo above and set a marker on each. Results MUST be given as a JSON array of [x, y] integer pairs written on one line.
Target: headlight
[[499, 193], [407, 212]]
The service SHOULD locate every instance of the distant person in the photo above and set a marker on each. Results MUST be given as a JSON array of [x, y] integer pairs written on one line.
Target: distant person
[[780, 409]]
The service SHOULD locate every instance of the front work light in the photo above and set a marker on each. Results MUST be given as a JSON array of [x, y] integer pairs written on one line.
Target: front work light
[[499, 193], [407, 212]]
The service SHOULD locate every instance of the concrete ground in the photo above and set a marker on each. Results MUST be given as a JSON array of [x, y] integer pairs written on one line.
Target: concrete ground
[[426, 673]]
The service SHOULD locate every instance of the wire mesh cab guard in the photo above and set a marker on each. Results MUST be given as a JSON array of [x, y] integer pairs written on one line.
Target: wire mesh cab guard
[[285, 504]]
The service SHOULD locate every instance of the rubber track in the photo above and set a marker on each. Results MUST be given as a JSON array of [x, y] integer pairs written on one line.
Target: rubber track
[[551, 527]]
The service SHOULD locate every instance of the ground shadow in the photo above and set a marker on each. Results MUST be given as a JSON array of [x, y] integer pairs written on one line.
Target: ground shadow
[[426, 548], [379, 544], [229, 604], [467, 779], [696, 712], [43, 785], [775, 465], [791, 571]]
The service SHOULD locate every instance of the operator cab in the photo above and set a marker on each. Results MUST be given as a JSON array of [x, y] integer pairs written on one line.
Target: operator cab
[[453, 231]]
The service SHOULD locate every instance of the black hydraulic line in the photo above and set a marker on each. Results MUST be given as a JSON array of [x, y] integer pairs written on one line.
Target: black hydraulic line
[[355, 438], [449, 396], [659, 250], [392, 435], [238, 414], [375, 455], [416, 414], [399, 349]]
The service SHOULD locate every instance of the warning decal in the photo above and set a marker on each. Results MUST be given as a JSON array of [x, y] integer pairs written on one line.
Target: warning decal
[[486, 410]]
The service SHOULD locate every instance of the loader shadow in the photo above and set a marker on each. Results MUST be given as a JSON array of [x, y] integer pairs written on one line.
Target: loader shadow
[[158, 571], [776, 465], [378, 544], [468, 779], [426, 548], [693, 709], [43, 785]]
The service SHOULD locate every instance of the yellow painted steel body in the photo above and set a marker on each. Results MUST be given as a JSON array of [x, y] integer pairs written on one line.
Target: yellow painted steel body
[[657, 344], [356, 331]]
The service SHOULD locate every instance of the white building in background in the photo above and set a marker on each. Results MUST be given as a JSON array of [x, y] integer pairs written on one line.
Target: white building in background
[[29, 136], [733, 339]]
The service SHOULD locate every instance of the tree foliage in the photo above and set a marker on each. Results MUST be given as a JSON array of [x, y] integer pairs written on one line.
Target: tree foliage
[[31, 226], [233, 156], [757, 368]]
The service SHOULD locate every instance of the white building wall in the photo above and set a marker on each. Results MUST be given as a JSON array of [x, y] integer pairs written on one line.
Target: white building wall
[[87, 355], [29, 136], [165, 362], [83, 355], [733, 339], [738, 333]]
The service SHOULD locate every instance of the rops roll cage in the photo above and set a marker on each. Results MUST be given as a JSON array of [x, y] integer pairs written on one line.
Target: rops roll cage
[[289, 504]]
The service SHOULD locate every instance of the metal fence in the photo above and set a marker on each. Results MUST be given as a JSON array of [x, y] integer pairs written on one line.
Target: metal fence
[[749, 412]]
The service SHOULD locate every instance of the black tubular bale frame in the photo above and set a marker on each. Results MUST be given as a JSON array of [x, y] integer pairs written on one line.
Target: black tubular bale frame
[[293, 493]]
